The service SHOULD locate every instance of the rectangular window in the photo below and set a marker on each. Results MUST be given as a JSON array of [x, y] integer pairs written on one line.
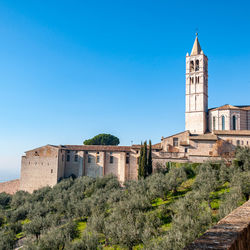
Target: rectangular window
[[214, 123], [76, 158], [98, 159], [127, 160], [68, 157], [175, 142], [89, 159], [186, 150], [242, 142], [51, 171], [238, 142], [111, 159]]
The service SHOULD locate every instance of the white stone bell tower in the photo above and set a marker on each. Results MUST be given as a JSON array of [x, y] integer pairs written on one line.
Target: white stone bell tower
[[196, 90]]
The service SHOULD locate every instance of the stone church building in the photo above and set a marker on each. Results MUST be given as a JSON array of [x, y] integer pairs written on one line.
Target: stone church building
[[209, 134]]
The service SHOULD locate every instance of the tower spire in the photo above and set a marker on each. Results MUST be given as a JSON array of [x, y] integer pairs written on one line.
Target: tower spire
[[196, 47], [196, 90]]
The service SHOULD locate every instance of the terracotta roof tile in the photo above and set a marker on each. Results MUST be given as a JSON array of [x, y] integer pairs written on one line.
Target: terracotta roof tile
[[183, 132], [231, 132], [155, 146], [228, 106], [205, 137], [96, 148]]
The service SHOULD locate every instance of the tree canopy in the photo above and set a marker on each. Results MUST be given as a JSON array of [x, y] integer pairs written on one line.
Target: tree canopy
[[103, 139]]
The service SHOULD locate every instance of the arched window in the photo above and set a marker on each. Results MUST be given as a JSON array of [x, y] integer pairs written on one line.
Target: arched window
[[234, 122], [223, 122], [197, 65], [214, 123], [191, 66]]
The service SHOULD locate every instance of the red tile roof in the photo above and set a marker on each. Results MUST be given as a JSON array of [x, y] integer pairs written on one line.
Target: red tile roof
[[205, 137], [231, 132], [227, 106], [96, 148], [155, 146]]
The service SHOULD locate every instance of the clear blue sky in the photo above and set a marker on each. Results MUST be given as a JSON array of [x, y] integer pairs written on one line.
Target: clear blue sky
[[72, 69]]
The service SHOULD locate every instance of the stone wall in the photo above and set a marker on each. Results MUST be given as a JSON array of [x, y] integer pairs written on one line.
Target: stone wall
[[10, 187], [248, 120], [133, 166], [39, 168], [232, 232], [242, 140]]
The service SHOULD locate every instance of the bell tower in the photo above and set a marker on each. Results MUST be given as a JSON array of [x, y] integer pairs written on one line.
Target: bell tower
[[196, 90]]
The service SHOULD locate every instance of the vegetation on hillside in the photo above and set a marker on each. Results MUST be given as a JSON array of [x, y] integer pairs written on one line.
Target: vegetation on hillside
[[166, 210], [103, 139]]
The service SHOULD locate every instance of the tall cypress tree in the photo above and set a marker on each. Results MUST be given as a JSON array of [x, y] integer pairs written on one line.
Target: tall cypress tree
[[150, 164], [140, 171], [144, 160]]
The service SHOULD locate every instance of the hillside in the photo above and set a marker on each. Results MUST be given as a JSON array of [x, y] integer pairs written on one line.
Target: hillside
[[167, 210]]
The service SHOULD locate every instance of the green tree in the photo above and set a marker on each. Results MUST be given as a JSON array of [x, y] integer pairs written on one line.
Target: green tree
[[1, 219], [144, 159], [150, 163], [7, 240], [5, 200], [102, 139], [89, 240], [35, 227], [175, 177], [56, 238], [243, 158], [206, 181], [230, 201], [140, 170]]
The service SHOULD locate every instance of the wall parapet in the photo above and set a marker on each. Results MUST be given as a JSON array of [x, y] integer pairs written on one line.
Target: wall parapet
[[10, 187], [232, 232]]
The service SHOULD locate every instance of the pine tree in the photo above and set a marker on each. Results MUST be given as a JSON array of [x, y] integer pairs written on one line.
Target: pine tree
[[150, 164]]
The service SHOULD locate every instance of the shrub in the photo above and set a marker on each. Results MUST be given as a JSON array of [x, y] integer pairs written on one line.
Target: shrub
[[5, 200], [230, 201], [7, 240]]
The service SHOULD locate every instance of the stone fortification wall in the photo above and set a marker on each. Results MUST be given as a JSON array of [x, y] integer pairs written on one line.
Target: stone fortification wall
[[39, 168], [10, 187], [232, 232]]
